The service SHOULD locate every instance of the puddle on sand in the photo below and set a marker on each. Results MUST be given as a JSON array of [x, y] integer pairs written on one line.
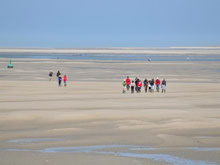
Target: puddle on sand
[[85, 148], [101, 149], [143, 149], [204, 149], [35, 140], [159, 157]]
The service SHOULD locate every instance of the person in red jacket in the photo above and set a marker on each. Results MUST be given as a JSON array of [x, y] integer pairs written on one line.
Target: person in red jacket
[[128, 82], [157, 82], [139, 84], [65, 80]]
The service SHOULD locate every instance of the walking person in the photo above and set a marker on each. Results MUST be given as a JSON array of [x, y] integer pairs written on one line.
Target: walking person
[[132, 87], [65, 80], [139, 86], [152, 85], [163, 86], [149, 82], [145, 85], [128, 83], [136, 84], [157, 82], [60, 80], [50, 76]]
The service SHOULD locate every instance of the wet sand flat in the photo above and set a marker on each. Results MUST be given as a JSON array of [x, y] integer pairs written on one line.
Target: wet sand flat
[[41, 122]]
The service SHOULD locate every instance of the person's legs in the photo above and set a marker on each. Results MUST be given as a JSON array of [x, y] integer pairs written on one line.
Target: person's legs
[[163, 88], [145, 89], [59, 82], [132, 89], [158, 88], [65, 83]]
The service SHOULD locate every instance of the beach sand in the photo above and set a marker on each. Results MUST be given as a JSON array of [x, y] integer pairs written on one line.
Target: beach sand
[[150, 128]]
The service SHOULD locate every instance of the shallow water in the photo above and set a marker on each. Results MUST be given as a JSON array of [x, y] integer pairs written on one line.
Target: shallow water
[[204, 149], [34, 140], [160, 157], [126, 57], [127, 152]]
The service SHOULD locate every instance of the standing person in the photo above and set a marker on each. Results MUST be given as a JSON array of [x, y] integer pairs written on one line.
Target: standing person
[[145, 85], [163, 86], [50, 76], [132, 87], [149, 82], [58, 73], [65, 80], [124, 86], [139, 85], [128, 83], [157, 82], [60, 80], [136, 84], [152, 85]]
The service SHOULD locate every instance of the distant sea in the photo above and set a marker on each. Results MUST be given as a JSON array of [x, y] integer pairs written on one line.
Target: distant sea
[[113, 57]]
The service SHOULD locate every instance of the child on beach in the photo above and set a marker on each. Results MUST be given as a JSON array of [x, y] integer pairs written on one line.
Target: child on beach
[[152, 85], [163, 86], [132, 87], [157, 82], [139, 84], [124, 86], [59, 80], [145, 85], [50, 76], [65, 80], [136, 84], [128, 83]]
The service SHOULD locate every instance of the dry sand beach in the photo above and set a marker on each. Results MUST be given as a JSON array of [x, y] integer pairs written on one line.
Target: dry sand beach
[[92, 122]]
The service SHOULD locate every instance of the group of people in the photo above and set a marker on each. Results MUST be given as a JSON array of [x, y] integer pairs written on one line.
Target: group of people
[[136, 85], [59, 76]]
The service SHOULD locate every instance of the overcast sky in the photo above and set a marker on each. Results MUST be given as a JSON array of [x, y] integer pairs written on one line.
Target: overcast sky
[[109, 23]]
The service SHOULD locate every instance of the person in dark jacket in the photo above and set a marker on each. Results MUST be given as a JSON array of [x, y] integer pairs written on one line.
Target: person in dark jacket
[[60, 80], [152, 85], [145, 85], [136, 84], [163, 86], [58, 73]]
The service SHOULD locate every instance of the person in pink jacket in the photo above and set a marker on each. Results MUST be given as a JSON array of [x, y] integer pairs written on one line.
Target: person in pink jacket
[[65, 80], [139, 84]]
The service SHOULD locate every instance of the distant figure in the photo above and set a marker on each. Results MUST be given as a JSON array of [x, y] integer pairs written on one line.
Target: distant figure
[[60, 80], [10, 64], [132, 87], [136, 84], [163, 86], [152, 85], [65, 80], [149, 59], [50, 76], [58, 73], [139, 84], [149, 82], [128, 83], [157, 82], [145, 85], [124, 86]]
